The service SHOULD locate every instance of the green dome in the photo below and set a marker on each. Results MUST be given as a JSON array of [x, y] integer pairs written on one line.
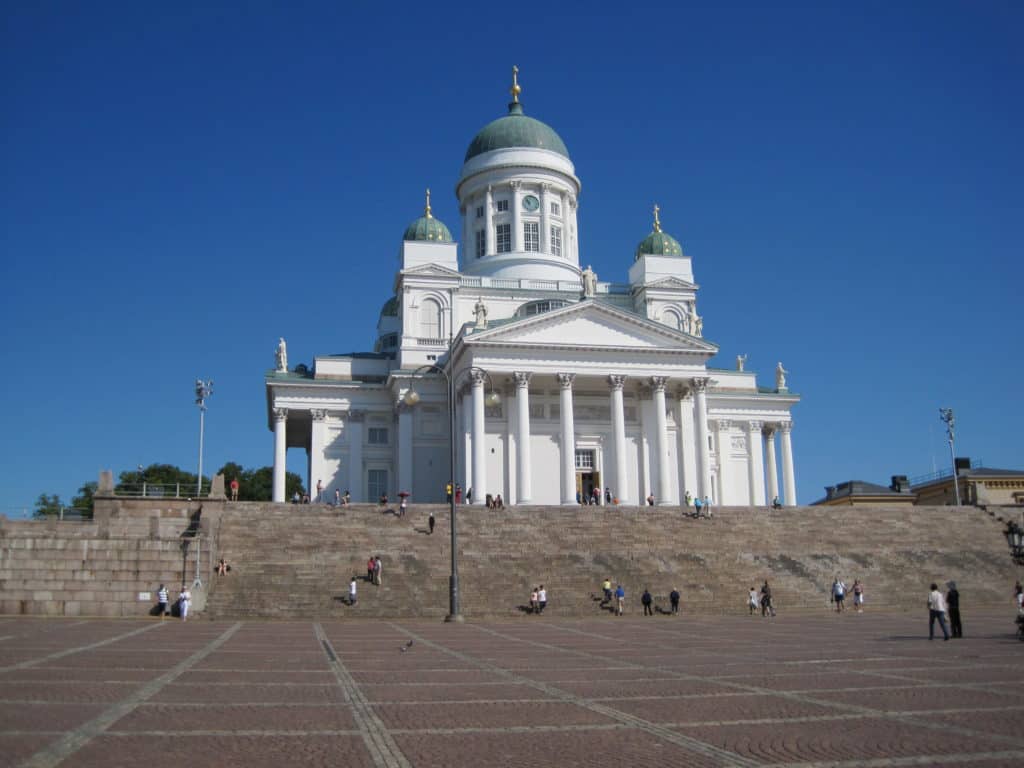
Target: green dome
[[658, 243], [516, 130], [428, 228], [390, 308]]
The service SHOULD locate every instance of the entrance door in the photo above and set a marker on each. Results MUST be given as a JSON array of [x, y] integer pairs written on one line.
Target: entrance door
[[587, 478]]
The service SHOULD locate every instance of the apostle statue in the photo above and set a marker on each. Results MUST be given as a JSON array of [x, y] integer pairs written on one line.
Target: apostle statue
[[589, 283], [698, 325], [741, 360], [282, 355], [780, 376], [480, 310]]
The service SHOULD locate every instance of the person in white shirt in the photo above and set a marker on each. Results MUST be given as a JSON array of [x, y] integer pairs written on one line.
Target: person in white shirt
[[753, 601], [838, 594], [352, 591], [184, 601], [542, 599], [936, 611]]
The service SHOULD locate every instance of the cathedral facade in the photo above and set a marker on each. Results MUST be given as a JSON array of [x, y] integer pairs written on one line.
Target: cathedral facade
[[562, 383]]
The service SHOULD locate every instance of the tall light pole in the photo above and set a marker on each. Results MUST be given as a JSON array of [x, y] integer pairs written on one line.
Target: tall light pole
[[203, 390], [946, 416]]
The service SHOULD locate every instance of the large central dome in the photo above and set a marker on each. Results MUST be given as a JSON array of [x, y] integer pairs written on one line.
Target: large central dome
[[516, 130]]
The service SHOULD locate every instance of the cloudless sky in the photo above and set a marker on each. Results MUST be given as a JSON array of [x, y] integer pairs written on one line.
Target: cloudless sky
[[182, 184]]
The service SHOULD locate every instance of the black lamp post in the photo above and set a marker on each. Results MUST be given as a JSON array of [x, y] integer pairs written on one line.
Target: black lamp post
[[1015, 539]]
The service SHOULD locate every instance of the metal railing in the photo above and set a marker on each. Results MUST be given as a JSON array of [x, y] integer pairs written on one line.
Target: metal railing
[[161, 490], [29, 513], [941, 474]]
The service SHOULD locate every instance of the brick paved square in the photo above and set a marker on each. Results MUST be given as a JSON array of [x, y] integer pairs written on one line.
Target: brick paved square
[[244, 716]]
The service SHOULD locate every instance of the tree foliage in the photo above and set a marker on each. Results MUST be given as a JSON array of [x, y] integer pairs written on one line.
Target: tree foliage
[[48, 504], [258, 484]]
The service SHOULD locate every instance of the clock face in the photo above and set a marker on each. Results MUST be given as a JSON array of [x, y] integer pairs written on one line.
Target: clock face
[[531, 203]]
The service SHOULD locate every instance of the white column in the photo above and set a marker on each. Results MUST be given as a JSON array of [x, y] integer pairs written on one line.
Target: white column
[[773, 473], [280, 452], [517, 222], [317, 432], [724, 443], [467, 234], [355, 454], [621, 489], [405, 452], [661, 441], [545, 222], [466, 436], [524, 488], [571, 231], [700, 386], [479, 444], [687, 444], [489, 222], [755, 464], [788, 478], [568, 438]]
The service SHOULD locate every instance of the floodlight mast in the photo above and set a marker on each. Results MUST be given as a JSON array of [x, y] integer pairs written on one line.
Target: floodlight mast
[[946, 416], [203, 390]]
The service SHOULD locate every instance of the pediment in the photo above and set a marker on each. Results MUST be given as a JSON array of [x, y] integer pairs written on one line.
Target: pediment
[[594, 326], [430, 270], [671, 284]]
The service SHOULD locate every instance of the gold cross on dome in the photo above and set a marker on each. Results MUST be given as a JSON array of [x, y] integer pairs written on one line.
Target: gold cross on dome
[[515, 90], [657, 222], [427, 213]]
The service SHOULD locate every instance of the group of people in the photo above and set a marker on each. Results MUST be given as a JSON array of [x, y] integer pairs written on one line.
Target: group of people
[[593, 497], [701, 506], [373, 570], [646, 599], [538, 600], [181, 605], [838, 593], [495, 502], [340, 499], [457, 492], [939, 607]]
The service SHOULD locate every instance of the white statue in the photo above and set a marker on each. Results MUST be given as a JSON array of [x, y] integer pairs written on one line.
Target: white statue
[[282, 355], [780, 376], [589, 282], [741, 360], [698, 325], [480, 309]]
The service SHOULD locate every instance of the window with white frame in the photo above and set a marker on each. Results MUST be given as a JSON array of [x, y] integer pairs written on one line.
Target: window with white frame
[[376, 483], [430, 319], [531, 236], [377, 435], [556, 209], [481, 243], [584, 460], [479, 211], [502, 205], [556, 241], [504, 238]]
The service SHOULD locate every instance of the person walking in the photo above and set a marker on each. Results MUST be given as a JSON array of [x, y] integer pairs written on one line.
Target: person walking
[[161, 601], [234, 489], [448, 493], [371, 565], [337, 497], [430, 521], [184, 602], [377, 568], [402, 507], [838, 594], [458, 493], [352, 591], [534, 598], [953, 603], [542, 599], [620, 599], [673, 598], [767, 609], [319, 491], [858, 596], [936, 612], [646, 599], [606, 587], [752, 601]]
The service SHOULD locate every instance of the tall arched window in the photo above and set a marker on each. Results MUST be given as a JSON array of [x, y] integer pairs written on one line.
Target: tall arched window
[[430, 319], [672, 319]]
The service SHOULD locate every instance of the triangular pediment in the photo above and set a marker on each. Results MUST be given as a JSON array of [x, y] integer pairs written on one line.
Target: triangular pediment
[[430, 270], [591, 325], [671, 284]]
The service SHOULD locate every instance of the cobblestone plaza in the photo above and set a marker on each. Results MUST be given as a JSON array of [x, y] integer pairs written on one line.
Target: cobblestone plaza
[[806, 690]]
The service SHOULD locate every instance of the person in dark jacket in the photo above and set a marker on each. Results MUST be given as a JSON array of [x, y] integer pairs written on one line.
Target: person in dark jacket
[[953, 605], [646, 599], [673, 598]]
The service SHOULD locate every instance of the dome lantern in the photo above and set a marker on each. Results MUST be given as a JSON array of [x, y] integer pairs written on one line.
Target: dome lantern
[[428, 229], [658, 243]]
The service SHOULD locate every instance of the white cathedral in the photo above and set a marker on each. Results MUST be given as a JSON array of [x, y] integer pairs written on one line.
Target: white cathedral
[[562, 383]]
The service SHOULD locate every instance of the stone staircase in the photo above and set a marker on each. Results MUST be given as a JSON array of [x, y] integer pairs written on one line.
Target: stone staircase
[[295, 561]]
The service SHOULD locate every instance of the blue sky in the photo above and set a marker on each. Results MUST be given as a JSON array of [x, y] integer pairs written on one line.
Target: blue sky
[[182, 185]]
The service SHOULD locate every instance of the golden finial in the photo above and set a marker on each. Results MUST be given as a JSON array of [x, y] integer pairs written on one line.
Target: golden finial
[[657, 221], [427, 212], [515, 90]]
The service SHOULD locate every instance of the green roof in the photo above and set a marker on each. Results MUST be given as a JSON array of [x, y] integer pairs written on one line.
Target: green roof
[[516, 130], [659, 243], [429, 229], [390, 308]]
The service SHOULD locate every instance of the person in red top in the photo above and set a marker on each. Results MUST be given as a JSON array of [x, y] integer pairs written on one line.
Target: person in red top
[[370, 566], [234, 489]]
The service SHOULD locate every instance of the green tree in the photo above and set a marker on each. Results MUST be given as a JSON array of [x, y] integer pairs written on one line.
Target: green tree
[[166, 476], [48, 505], [84, 500], [258, 484]]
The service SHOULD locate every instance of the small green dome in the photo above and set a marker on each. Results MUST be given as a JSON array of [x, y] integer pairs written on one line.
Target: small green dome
[[658, 243], [516, 130], [427, 228], [390, 308]]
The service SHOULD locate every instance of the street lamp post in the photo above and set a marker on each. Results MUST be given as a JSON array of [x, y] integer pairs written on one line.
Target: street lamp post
[[412, 397], [203, 390], [946, 416]]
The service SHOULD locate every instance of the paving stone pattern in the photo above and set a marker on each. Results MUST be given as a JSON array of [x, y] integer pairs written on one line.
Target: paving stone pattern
[[812, 691]]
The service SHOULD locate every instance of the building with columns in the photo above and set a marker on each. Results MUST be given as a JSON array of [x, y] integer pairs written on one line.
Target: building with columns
[[563, 382]]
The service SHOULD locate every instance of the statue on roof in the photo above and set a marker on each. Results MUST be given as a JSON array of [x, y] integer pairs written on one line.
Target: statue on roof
[[780, 377], [741, 360], [480, 310], [589, 283], [282, 355], [698, 325]]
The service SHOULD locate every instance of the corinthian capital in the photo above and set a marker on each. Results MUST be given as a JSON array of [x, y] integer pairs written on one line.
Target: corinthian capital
[[658, 383], [280, 414], [786, 427], [318, 414], [616, 381], [522, 378], [700, 383], [565, 380], [478, 377], [753, 426]]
